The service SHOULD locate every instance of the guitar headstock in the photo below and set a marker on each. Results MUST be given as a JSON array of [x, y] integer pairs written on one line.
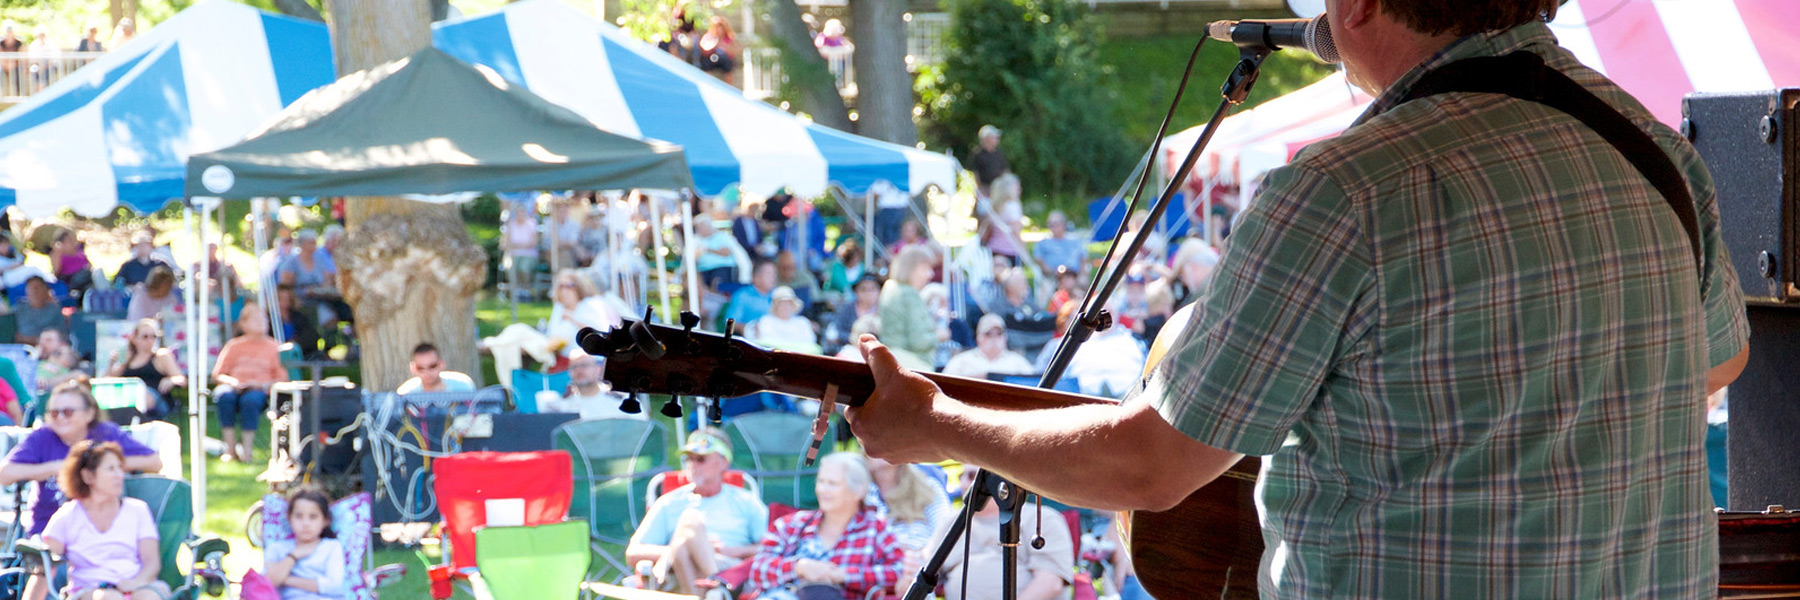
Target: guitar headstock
[[651, 358]]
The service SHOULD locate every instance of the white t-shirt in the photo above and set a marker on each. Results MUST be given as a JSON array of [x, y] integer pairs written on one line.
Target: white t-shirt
[[774, 331], [974, 364]]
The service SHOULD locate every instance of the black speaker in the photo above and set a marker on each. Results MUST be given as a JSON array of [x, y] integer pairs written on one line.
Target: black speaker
[[1750, 143]]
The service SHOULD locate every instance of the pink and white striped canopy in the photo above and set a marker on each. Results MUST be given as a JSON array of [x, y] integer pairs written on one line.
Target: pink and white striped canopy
[[1659, 50]]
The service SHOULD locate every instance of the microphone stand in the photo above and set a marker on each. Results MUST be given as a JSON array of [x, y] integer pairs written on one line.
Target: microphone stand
[[1093, 318]]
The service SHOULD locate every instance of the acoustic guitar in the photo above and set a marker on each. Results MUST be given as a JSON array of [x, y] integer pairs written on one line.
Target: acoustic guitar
[[1208, 546]]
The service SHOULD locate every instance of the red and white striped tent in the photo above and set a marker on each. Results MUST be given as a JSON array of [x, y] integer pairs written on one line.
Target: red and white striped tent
[[1659, 50]]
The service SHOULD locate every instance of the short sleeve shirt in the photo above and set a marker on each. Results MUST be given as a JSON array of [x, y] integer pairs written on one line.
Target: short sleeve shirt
[[96, 556], [42, 445], [734, 517], [1474, 341]]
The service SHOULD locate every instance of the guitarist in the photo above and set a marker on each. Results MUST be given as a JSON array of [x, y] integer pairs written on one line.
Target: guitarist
[[1473, 341]]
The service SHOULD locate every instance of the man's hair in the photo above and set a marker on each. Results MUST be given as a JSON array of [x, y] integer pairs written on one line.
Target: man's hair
[[425, 348], [85, 456], [159, 276], [1434, 17]]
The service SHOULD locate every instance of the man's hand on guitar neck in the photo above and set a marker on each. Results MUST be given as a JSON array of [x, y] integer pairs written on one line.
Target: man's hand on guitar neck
[[1108, 457]]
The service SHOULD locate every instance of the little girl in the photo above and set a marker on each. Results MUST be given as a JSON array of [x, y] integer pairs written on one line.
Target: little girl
[[310, 566]]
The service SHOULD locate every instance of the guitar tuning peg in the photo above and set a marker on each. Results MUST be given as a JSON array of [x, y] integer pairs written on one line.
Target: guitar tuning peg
[[689, 320], [715, 412], [647, 314], [630, 406], [672, 408], [730, 326]]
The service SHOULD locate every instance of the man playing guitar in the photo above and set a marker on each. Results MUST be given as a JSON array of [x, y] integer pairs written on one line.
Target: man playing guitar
[[1473, 341]]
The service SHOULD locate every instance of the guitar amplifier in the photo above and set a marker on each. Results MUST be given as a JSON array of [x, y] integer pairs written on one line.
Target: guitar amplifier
[[1750, 142]]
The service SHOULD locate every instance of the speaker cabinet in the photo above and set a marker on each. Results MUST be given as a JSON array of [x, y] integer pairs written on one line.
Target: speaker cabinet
[[1750, 143]]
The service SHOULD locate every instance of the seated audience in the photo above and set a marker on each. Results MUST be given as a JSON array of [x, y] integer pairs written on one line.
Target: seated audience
[[1060, 252], [58, 362], [1028, 327], [143, 258], [1044, 573], [906, 324], [577, 305], [310, 566], [1069, 288], [70, 416], [1109, 364], [751, 302], [700, 528], [248, 366], [314, 276], [716, 254], [158, 299], [865, 301], [1193, 266], [990, 355], [146, 359], [844, 545], [220, 277], [69, 261], [1159, 305], [871, 325], [428, 374], [911, 234], [13, 270], [846, 269], [913, 505], [109, 538], [281, 247], [299, 327], [783, 328], [587, 395], [39, 312], [789, 273]]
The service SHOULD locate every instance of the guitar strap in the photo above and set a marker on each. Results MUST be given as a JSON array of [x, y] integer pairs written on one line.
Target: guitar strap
[[1524, 75]]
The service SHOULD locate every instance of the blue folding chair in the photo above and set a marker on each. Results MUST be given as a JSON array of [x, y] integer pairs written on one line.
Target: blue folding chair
[[527, 383]]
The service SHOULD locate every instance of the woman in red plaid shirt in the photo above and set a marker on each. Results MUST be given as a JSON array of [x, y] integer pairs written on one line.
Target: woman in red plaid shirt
[[843, 546]]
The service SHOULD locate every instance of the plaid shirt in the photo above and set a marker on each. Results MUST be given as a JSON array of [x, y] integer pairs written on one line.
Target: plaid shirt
[[1475, 341], [868, 553]]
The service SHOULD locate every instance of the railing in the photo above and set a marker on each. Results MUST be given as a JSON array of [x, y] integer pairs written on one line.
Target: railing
[[763, 76], [925, 38], [25, 73]]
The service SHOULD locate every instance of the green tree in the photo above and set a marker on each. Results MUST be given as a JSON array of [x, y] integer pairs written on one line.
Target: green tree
[[1028, 67]]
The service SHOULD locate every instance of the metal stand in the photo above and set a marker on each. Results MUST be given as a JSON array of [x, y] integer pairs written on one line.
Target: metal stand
[[1092, 318]]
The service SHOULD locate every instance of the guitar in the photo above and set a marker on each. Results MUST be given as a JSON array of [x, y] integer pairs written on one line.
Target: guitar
[[1208, 546]]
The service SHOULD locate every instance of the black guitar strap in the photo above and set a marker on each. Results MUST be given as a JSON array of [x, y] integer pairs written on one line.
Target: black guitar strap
[[1524, 75]]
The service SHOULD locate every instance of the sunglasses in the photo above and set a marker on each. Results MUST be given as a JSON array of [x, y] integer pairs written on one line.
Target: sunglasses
[[61, 413], [431, 367], [993, 333]]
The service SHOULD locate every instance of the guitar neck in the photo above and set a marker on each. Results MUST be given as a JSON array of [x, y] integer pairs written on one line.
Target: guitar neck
[[807, 375]]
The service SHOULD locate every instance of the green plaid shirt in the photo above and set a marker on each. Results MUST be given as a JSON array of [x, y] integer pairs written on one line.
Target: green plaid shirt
[[1475, 341]]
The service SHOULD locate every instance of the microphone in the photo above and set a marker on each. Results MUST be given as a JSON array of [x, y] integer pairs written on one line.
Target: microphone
[[1312, 35]]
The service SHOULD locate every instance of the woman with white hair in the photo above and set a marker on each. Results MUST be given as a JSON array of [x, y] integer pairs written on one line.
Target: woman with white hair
[[843, 547], [1193, 267], [906, 323]]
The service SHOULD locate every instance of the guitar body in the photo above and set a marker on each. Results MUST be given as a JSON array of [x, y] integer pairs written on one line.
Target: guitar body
[[1209, 546]]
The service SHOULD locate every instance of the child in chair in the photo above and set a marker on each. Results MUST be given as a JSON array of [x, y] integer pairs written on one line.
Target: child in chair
[[310, 566]]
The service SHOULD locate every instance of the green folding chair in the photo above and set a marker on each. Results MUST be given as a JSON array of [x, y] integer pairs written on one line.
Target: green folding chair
[[613, 458], [533, 562], [171, 503], [771, 446]]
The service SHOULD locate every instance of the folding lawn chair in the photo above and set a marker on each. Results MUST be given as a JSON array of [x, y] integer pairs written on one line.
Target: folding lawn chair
[[352, 519], [771, 446], [611, 458], [171, 502], [533, 562]]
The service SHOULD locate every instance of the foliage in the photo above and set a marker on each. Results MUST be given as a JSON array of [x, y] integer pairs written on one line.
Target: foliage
[[1141, 75], [1028, 67], [652, 20]]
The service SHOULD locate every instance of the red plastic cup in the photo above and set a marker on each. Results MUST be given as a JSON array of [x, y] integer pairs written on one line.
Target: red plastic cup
[[441, 588]]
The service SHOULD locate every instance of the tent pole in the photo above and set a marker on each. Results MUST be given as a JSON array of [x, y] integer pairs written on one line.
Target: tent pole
[[265, 290], [688, 258], [555, 241], [200, 358], [870, 236], [657, 251], [196, 434], [227, 328]]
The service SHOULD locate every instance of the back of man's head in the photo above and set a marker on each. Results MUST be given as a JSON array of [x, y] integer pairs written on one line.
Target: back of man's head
[[1466, 17]]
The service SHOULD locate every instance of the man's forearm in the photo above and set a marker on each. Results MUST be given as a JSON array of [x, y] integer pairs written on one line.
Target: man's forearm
[[1067, 453]]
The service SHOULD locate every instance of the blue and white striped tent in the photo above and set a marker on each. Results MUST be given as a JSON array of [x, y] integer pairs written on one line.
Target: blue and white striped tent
[[628, 87], [120, 130]]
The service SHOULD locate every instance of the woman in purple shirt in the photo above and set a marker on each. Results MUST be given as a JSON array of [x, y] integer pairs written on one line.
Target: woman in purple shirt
[[70, 416], [110, 539]]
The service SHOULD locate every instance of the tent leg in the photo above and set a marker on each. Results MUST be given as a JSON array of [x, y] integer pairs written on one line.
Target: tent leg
[[198, 418], [656, 253], [688, 259]]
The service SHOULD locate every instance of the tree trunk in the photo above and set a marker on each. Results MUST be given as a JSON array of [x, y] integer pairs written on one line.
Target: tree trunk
[[299, 8], [410, 269], [805, 69], [884, 91], [123, 9]]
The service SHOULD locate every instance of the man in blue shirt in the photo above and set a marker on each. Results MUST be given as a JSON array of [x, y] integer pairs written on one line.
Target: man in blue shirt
[[751, 303], [1059, 250], [703, 527]]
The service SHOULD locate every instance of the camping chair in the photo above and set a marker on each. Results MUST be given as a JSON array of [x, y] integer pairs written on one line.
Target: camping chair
[[10, 370], [533, 562], [478, 489], [352, 520], [611, 457], [771, 446], [171, 503], [527, 383], [14, 500]]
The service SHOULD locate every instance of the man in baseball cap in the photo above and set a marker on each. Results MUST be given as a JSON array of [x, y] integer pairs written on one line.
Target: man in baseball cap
[[702, 527], [988, 162]]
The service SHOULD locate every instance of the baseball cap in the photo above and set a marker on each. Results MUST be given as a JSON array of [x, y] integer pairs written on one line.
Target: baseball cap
[[989, 321], [702, 442], [987, 130], [783, 293]]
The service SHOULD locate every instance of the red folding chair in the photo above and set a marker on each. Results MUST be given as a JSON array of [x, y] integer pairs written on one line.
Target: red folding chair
[[475, 489]]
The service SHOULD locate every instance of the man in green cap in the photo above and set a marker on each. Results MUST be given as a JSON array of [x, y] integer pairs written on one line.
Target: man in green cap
[[700, 528]]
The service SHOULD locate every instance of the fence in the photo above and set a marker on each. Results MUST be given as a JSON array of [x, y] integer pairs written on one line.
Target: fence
[[763, 76], [25, 73]]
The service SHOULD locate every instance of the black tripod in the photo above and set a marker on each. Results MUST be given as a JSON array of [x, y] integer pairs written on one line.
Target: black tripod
[[1091, 318]]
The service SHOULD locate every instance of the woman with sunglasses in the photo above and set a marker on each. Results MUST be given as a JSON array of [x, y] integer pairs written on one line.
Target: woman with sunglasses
[[70, 416], [152, 364], [109, 538]]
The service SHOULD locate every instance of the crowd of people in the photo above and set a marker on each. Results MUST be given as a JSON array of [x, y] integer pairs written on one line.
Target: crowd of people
[[44, 61]]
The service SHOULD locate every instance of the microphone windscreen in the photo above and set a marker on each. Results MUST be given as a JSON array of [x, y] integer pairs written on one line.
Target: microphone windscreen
[[1319, 42]]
